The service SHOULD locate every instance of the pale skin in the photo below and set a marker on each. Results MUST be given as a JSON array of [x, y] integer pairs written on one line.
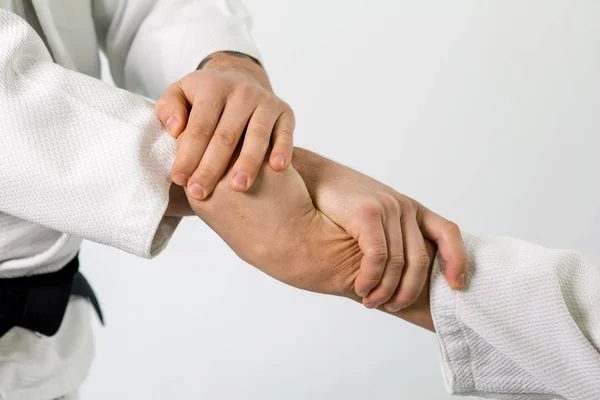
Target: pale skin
[[276, 228], [230, 95]]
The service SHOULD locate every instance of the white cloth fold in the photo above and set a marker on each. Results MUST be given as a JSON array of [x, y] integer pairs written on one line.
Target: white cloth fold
[[82, 159], [78, 155], [527, 326]]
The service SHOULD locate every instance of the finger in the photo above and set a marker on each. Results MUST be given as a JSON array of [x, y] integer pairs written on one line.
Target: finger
[[195, 138], [283, 141], [172, 108], [254, 149], [218, 154], [448, 239], [416, 269], [395, 262], [372, 242]]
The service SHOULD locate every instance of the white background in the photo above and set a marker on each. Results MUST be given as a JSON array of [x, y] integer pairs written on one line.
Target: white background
[[487, 112]]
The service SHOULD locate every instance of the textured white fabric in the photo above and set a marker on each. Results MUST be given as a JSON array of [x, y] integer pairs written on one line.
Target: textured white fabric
[[33, 367], [21, 239], [81, 157], [153, 43], [527, 327]]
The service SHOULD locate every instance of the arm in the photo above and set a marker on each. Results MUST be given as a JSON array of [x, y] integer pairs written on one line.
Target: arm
[[78, 155], [527, 326], [155, 47], [359, 204], [151, 44]]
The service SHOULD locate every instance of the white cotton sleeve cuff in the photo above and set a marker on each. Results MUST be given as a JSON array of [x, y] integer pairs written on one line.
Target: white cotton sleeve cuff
[[144, 220], [525, 327], [78, 155]]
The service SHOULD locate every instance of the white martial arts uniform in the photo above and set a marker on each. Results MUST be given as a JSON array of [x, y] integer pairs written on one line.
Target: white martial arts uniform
[[84, 158], [527, 327]]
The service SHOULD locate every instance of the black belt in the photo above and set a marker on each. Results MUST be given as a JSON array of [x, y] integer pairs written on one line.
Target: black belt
[[39, 302]]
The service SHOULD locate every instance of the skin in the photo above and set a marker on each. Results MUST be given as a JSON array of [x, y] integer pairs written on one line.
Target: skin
[[358, 204], [341, 194], [276, 228], [390, 228], [227, 102]]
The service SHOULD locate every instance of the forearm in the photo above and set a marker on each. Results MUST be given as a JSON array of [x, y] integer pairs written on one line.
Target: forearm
[[238, 62], [311, 168], [317, 172]]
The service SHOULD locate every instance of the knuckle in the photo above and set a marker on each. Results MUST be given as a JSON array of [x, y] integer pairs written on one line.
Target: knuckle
[[286, 108], [245, 92], [270, 101], [377, 256], [386, 293], [160, 104], [201, 131], [370, 210], [369, 282], [227, 136], [406, 297], [452, 228], [183, 167], [286, 132], [381, 295], [289, 115], [420, 259], [250, 163], [406, 207], [261, 130], [396, 261], [388, 201], [205, 177], [212, 83], [185, 162]]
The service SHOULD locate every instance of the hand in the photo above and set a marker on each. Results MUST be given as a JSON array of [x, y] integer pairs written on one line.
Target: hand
[[209, 110], [389, 228], [276, 228]]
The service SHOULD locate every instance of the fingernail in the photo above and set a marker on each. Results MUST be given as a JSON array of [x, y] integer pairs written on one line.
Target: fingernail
[[171, 123], [180, 179], [196, 191], [393, 307], [240, 180], [280, 160], [362, 293], [459, 282], [369, 304]]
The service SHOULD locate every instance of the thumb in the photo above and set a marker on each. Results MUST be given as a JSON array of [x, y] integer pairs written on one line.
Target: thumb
[[448, 238]]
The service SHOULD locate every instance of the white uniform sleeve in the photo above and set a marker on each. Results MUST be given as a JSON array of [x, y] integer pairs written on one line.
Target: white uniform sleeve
[[151, 44], [78, 155], [527, 327]]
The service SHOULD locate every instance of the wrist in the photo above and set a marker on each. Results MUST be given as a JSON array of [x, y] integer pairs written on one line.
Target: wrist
[[311, 167], [227, 61]]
